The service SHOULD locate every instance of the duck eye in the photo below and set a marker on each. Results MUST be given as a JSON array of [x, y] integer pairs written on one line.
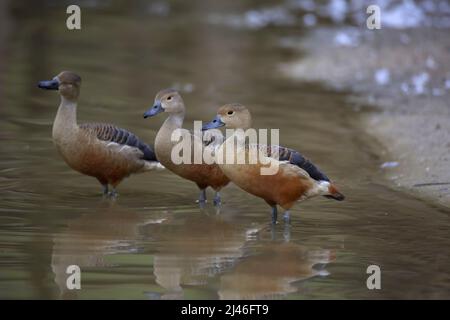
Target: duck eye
[[169, 98], [230, 113]]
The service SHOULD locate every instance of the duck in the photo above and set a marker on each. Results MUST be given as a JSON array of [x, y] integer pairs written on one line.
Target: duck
[[99, 150], [204, 175], [296, 179]]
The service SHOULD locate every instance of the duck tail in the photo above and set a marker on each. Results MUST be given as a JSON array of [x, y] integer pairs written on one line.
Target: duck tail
[[152, 165], [333, 193]]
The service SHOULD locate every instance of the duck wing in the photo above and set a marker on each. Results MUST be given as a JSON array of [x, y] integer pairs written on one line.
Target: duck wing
[[110, 133], [293, 157]]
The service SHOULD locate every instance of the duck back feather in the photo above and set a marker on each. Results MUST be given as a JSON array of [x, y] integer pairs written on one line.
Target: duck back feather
[[299, 160], [111, 133], [294, 157]]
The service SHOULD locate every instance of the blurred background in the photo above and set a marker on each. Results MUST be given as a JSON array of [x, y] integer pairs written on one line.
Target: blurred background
[[369, 107]]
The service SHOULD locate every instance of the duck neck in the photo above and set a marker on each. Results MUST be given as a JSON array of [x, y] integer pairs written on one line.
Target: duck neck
[[235, 143], [239, 137], [174, 121], [163, 143], [66, 117]]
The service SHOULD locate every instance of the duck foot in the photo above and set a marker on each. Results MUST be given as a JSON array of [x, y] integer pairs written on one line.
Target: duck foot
[[201, 204], [217, 200], [287, 232], [202, 198], [113, 194], [273, 232]]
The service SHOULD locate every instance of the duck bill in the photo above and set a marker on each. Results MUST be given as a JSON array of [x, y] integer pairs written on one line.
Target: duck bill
[[153, 111], [49, 84], [215, 123]]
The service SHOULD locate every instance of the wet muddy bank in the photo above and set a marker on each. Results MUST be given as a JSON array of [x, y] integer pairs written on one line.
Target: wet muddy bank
[[405, 75]]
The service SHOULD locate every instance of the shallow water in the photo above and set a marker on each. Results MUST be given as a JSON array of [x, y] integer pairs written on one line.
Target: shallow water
[[154, 242]]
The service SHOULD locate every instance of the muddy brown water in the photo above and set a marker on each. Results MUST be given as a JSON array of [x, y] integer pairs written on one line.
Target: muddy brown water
[[154, 242]]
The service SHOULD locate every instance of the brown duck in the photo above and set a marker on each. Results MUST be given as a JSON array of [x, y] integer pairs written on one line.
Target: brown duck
[[295, 180], [204, 175], [100, 150]]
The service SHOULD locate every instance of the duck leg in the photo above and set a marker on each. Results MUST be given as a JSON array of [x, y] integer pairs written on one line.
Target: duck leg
[[105, 189], [274, 214], [217, 200], [287, 217], [202, 197], [113, 193], [105, 185]]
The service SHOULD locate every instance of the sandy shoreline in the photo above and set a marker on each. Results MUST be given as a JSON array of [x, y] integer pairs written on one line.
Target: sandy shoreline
[[405, 74]]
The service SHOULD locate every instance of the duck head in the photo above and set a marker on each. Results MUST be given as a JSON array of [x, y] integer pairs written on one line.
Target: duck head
[[233, 116], [167, 100], [67, 82]]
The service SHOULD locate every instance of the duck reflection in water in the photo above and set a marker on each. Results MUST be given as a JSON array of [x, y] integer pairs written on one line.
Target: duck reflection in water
[[195, 250], [273, 272], [188, 249], [91, 238]]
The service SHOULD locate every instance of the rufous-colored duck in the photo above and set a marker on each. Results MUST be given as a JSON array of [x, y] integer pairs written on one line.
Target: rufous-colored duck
[[295, 180], [100, 150], [204, 175]]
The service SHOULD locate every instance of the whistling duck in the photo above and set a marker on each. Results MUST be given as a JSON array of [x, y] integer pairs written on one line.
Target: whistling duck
[[204, 175], [296, 178], [100, 150]]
